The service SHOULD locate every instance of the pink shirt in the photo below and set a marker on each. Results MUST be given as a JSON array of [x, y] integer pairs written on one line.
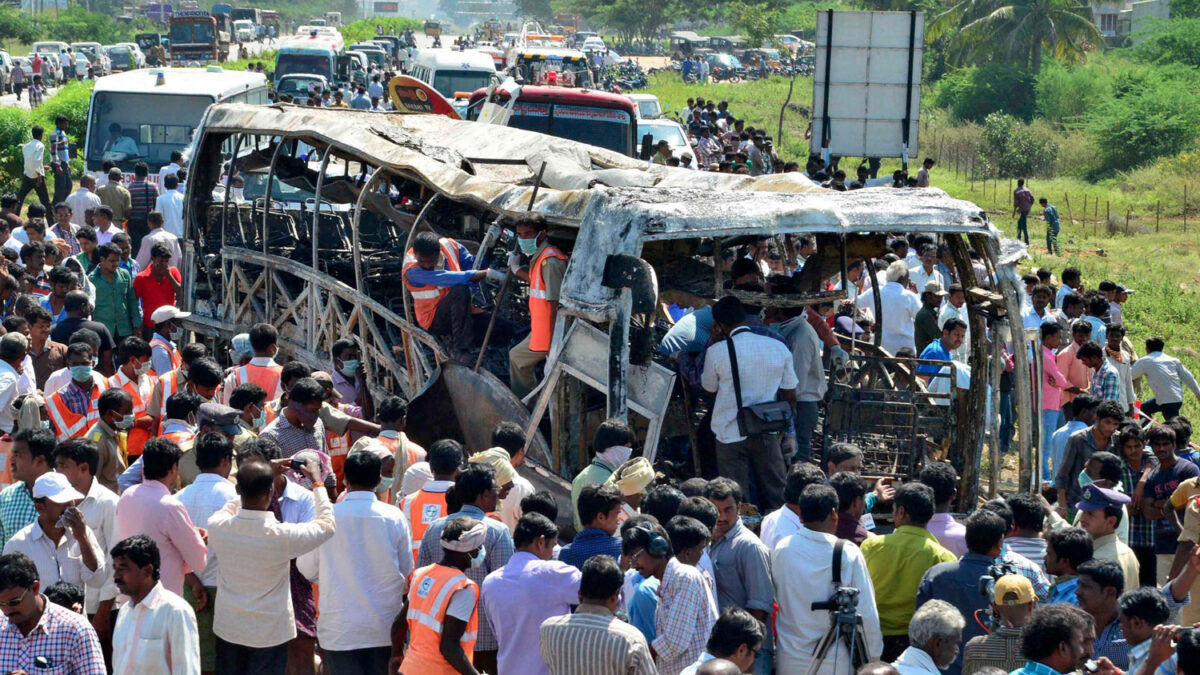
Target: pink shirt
[[949, 532], [150, 509], [1074, 371], [1053, 381]]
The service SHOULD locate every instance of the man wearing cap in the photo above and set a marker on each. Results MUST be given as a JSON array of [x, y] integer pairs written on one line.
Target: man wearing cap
[[164, 356], [240, 352], [60, 542], [958, 582], [1100, 511], [925, 324], [953, 333], [631, 479], [1012, 603], [440, 618]]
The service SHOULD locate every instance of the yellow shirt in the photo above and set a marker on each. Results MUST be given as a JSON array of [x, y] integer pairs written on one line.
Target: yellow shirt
[[897, 562], [1186, 490]]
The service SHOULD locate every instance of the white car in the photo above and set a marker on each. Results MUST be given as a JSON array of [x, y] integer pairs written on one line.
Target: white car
[[139, 57], [648, 106], [95, 55], [593, 44], [670, 131]]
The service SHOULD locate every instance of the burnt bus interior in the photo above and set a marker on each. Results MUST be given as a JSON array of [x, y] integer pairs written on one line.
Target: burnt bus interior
[[315, 245]]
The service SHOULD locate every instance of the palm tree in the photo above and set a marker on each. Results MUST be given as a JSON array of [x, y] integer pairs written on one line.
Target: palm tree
[[1017, 31]]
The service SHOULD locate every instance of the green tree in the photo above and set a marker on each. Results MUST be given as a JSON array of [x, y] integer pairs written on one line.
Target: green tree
[[758, 21], [1017, 31], [536, 8], [1011, 149], [1170, 41], [1150, 114], [975, 92], [15, 26], [629, 18]]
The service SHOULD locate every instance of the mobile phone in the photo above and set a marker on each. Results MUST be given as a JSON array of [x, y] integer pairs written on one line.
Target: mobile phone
[[297, 465], [1090, 666]]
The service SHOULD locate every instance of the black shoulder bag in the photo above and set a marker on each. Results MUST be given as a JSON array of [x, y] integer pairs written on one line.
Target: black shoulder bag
[[762, 418]]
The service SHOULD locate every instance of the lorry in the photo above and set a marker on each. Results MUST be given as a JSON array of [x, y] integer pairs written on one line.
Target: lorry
[[243, 30], [197, 37]]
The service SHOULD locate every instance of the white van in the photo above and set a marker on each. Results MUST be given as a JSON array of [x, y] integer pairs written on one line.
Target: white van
[[449, 70]]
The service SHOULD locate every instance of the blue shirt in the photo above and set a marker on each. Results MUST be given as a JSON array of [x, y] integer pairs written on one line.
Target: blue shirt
[[360, 102], [1051, 216], [958, 584], [589, 542], [643, 606], [689, 334], [1099, 330], [1064, 592], [419, 276], [1035, 668], [1058, 442], [934, 351]]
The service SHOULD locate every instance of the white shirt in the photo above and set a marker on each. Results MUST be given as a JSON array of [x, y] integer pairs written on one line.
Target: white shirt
[[34, 153], [361, 572], [808, 555], [167, 170], [510, 508], [375, 90], [170, 203], [99, 509], [105, 236], [80, 201], [254, 597], [778, 525], [1166, 376], [900, 307], [920, 277], [8, 393], [157, 636], [420, 476], [157, 235], [915, 661], [58, 562], [207, 494], [806, 358], [764, 367]]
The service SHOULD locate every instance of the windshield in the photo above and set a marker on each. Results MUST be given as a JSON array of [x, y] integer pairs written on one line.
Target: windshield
[[294, 86], [602, 127], [194, 33], [150, 126], [120, 56], [670, 133], [92, 51], [312, 64], [449, 81], [243, 25], [647, 108], [256, 186]]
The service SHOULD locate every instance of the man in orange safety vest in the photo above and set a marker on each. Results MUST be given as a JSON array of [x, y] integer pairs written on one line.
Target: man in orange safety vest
[[547, 266], [438, 273]]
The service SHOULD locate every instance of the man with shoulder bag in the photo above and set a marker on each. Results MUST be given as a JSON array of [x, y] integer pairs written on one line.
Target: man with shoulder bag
[[755, 386]]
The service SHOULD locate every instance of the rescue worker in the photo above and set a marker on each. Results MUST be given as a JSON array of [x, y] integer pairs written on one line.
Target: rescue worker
[[337, 445], [164, 355], [251, 400], [438, 272], [428, 504], [73, 408], [111, 434], [393, 417], [183, 409], [262, 369], [240, 352], [174, 380], [440, 595], [133, 375], [547, 265]]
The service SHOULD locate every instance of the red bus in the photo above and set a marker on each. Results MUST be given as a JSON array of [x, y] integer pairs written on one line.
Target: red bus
[[594, 117]]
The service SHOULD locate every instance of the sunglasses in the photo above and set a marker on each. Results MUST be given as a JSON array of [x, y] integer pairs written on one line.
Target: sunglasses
[[17, 602]]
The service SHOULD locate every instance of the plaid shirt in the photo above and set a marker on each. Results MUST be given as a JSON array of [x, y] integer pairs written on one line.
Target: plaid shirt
[[685, 617], [36, 93], [58, 146], [61, 636], [1001, 649], [1026, 568], [1141, 531], [16, 511], [1106, 382]]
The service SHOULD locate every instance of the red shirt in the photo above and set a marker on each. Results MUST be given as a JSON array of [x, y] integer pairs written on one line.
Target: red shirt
[[154, 293]]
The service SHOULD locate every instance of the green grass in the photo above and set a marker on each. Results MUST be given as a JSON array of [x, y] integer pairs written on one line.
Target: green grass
[[1163, 267], [267, 57]]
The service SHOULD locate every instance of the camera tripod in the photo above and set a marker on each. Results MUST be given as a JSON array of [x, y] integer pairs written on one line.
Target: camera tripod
[[845, 629]]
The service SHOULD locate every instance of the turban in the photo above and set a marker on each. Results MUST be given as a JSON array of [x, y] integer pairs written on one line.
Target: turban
[[467, 541], [498, 459], [633, 477]]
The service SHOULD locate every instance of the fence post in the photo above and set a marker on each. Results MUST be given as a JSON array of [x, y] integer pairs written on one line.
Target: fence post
[[1067, 199], [1157, 213], [1095, 213], [1185, 187], [1128, 212], [1085, 210], [1107, 217]]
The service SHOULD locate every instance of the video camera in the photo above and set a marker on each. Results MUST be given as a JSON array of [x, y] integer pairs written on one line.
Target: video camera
[[843, 604], [987, 588]]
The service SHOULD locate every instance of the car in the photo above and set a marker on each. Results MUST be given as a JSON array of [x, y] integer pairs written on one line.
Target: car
[[593, 44], [670, 131], [95, 55], [648, 106], [300, 86], [121, 57], [243, 30], [138, 55], [6, 64]]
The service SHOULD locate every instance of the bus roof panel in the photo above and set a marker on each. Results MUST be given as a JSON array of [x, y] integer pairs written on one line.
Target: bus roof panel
[[181, 81]]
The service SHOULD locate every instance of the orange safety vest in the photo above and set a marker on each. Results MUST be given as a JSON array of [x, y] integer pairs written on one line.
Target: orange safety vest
[[176, 359], [428, 598], [137, 437], [426, 298], [539, 307], [422, 508], [169, 384], [410, 448], [266, 377], [180, 437], [70, 425]]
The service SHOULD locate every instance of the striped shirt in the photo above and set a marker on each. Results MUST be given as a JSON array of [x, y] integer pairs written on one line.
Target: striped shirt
[[1141, 531], [58, 146], [685, 617], [1106, 382], [142, 197], [594, 642], [16, 510], [61, 637], [1001, 649]]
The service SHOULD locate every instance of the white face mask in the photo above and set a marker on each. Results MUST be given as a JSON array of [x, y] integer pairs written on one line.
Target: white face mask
[[479, 558]]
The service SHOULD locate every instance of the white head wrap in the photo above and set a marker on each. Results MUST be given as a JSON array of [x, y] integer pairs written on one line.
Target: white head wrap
[[468, 541], [633, 477], [498, 459]]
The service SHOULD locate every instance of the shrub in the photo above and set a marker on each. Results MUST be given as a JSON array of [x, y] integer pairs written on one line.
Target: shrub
[[975, 92], [1011, 149], [1066, 94], [364, 29], [72, 101], [1170, 41], [1148, 116]]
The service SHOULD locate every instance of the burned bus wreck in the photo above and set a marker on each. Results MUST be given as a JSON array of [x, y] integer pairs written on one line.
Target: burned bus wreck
[[310, 233]]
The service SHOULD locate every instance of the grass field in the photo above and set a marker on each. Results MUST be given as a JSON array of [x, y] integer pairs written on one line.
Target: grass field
[[1163, 267]]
